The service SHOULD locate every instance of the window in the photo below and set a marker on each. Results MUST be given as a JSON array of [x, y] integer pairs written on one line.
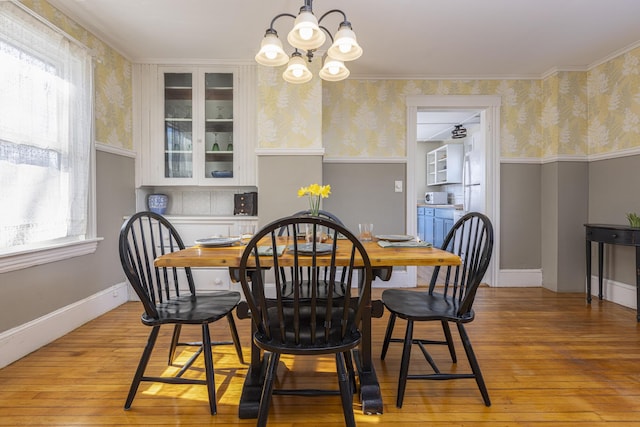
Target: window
[[45, 136]]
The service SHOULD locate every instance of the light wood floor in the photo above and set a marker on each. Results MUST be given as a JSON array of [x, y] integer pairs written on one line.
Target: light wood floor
[[548, 359]]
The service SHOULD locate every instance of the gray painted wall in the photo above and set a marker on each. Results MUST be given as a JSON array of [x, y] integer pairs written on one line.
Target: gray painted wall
[[614, 191], [564, 211], [28, 294], [365, 193], [520, 216], [279, 178]]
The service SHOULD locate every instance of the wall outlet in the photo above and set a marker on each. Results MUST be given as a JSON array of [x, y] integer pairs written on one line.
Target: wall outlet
[[398, 186]]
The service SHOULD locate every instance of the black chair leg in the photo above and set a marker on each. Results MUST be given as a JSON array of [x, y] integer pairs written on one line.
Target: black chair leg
[[174, 343], [208, 367], [142, 365], [449, 338], [235, 337], [474, 364], [346, 392], [404, 364], [387, 336], [267, 388], [352, 373]]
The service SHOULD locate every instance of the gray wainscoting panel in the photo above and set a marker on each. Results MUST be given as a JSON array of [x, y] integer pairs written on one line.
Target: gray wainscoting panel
[[614, 191], [364, 192], [279, 178], [565, 196], [520, 228]]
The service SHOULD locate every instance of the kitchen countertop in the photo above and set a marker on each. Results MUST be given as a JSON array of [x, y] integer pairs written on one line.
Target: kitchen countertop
[[428, 205]]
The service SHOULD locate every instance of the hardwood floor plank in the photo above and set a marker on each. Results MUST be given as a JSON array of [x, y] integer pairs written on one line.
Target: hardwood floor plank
[[548, 360]]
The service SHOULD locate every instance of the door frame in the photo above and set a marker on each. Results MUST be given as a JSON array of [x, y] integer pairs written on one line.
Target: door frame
[[490, 107]]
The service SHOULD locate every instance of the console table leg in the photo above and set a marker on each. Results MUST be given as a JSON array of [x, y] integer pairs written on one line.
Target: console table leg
[[600, 267], [588, 271]]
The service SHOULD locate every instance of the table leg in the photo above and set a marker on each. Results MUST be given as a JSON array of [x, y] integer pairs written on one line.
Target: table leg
[[588, 271], [600, 267], [252, 388], [370, 395]]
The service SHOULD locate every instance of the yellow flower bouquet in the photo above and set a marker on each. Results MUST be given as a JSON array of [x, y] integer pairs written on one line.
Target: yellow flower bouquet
[[315, 193]]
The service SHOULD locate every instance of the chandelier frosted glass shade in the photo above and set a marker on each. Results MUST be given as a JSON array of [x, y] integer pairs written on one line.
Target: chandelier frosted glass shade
[[306, 33], [297, 71], [271, 52], [333, 70], [345, 46]]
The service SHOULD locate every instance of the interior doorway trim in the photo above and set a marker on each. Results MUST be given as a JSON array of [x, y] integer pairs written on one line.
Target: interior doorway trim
[[490, 107]]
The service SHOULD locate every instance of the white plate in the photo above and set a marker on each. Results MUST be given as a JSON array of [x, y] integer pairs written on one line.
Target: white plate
[[217, 241], [394, 237], [307, 248]]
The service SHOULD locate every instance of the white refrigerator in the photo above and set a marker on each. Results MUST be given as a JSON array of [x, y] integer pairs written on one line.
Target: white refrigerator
[[473, 174]]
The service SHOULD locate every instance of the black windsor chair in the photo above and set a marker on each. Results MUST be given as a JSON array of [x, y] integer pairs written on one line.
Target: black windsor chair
[[301, 322], [168, 296], [471, 238]]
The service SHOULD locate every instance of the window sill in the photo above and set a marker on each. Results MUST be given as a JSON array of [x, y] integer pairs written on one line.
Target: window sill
[[33, 257]]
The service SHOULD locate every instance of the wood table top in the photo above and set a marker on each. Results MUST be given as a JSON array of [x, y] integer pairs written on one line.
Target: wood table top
[[198, 256]]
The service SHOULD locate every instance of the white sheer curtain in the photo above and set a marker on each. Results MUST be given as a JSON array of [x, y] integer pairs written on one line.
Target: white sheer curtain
[[45, 134]]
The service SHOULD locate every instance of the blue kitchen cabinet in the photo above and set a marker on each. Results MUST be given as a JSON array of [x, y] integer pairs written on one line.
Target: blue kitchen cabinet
[[421, 222], [442, 224], [428, 224]]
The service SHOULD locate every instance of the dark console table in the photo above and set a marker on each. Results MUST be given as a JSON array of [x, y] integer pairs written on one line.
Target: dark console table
[[612, 235]]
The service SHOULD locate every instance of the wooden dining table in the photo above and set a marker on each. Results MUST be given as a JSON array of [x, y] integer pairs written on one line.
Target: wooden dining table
[[383, 260]]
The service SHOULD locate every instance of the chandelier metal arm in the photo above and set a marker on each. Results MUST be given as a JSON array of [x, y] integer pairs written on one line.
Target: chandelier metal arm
[[275, 18], [344, 16]]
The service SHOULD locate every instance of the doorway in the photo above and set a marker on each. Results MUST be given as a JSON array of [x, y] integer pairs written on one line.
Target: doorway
[[489, 108]]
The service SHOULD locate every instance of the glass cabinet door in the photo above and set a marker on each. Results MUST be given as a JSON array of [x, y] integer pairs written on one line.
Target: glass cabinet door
[[218, 111], [178, 125]]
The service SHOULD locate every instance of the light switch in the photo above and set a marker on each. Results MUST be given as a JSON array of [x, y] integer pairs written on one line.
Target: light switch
[[398, 186]]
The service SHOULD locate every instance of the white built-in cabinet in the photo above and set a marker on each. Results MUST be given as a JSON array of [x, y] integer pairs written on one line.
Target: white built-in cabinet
[[444, 164], [193, 228], [196, 125]]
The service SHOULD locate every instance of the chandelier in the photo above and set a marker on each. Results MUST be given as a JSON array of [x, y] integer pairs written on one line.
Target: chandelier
[[306, 37]]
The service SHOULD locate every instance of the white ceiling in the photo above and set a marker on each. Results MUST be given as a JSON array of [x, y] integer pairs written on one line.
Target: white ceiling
[[400, 38], [437, 125]]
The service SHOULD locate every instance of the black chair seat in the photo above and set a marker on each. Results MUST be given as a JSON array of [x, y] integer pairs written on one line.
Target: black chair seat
[[422, 306], [305, 340], [194, 310]]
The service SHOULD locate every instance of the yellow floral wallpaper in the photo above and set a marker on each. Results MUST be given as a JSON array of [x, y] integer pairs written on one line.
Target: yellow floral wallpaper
[[367, 118], [614, 104], [569, 113], [113, 102], [289, 115]]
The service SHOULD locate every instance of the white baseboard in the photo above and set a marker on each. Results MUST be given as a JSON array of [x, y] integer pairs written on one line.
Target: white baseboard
[[399, 279], [617, 292], [24, 339], [519, 278], [506, 279]]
